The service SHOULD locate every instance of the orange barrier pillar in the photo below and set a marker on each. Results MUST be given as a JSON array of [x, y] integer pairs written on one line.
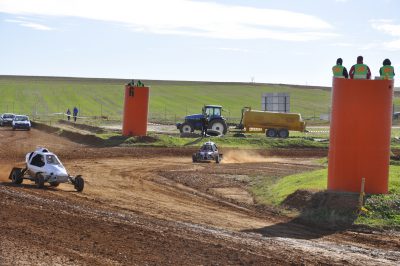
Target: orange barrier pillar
[[135, 111], [359, 147]]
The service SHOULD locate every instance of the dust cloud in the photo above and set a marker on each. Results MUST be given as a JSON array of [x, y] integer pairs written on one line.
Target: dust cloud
[[247, 156], [5, 172]]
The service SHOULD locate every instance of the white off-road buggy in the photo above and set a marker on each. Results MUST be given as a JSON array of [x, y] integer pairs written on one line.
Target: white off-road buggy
[[44, 166], [207, 152]]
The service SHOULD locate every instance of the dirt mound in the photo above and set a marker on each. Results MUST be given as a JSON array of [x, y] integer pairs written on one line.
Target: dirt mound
[[308, 199], [93, 129], [324, 208], [142, 139]]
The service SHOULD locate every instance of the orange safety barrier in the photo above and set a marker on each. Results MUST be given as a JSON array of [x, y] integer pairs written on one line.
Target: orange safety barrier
[[135, 111], [360, 129]]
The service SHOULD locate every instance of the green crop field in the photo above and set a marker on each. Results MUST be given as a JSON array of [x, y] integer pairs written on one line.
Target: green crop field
[[170, 101]]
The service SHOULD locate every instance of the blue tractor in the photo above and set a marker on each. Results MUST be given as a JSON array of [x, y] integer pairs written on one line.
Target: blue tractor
[[211, 116]]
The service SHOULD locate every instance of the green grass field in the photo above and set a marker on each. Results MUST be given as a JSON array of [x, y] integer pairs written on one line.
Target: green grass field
[[170, 101]]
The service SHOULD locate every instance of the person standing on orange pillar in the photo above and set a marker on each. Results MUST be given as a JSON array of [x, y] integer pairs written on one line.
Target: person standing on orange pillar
[[360, 70], [338, 70], [386, 71]]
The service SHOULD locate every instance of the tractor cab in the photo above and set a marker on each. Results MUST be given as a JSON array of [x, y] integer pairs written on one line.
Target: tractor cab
[[212, 111]]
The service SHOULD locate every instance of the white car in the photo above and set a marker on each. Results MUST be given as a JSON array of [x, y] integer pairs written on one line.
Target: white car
[[44, 166], [21, 122], [6, 119]]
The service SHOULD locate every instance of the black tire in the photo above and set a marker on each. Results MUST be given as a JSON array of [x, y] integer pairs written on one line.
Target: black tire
[[218, 125], [54, 184], [283, 133], [39, 181], [16, 176], [271, 133], [217, 159], [186, 128], [79, 183], [194, 159]]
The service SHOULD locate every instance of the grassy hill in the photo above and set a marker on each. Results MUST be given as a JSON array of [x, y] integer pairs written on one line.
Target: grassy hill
[[170, 101]]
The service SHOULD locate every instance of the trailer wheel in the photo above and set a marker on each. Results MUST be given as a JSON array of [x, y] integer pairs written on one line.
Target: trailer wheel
[[39, 180], [271, 133], [283, 133], [16, 177], [79, 183]]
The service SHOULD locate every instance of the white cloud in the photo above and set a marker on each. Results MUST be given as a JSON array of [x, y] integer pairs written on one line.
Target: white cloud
[[392, 45], [239, 50], [183, 17], [386, 26], [342, 44], [29, 24], [390, 28]]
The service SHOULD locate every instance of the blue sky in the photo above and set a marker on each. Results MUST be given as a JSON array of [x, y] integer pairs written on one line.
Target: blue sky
[[286, 41]]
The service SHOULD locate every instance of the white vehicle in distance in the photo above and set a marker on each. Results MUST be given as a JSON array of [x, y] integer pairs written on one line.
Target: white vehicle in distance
[[6, 119], [43, 166], [21, 122]]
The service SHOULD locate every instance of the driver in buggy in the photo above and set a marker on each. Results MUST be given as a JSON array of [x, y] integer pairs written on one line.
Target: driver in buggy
[[206, 148]]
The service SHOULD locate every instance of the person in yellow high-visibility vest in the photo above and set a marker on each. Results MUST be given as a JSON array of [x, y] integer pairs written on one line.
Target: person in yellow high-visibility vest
[[360, 70], [386, 71], [338, 70]]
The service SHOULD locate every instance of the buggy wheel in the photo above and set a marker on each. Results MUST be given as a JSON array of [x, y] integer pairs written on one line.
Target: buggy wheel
[[79, 183], [16, 176], [54, 184], [194, 159], [217, 159], [39, 180]]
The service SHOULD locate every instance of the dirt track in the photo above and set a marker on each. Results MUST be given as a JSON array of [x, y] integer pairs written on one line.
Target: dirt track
[[152, 205]]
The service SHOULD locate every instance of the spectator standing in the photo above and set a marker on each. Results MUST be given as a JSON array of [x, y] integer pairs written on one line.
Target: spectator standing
[[386, 71], [68, 114], [339, 71], [360, 70], [75, 113], [204, 126]]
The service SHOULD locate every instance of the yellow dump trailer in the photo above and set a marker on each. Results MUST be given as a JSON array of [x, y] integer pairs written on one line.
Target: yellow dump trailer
[[272, 123]]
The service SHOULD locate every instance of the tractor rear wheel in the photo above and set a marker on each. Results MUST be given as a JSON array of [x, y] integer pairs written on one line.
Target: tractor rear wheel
[[271, 133], [16, 176], [186, 128], [219, 125], [79, 183]]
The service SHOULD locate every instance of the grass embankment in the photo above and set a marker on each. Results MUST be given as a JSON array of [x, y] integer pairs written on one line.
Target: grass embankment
[[256, 141], [380, 210], [170, 101]]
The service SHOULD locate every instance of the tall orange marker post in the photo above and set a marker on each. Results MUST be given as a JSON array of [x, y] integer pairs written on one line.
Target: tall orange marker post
[[360, 130], [136, 108]]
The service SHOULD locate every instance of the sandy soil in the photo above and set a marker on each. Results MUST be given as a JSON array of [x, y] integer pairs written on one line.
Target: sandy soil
[[153, 206]]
